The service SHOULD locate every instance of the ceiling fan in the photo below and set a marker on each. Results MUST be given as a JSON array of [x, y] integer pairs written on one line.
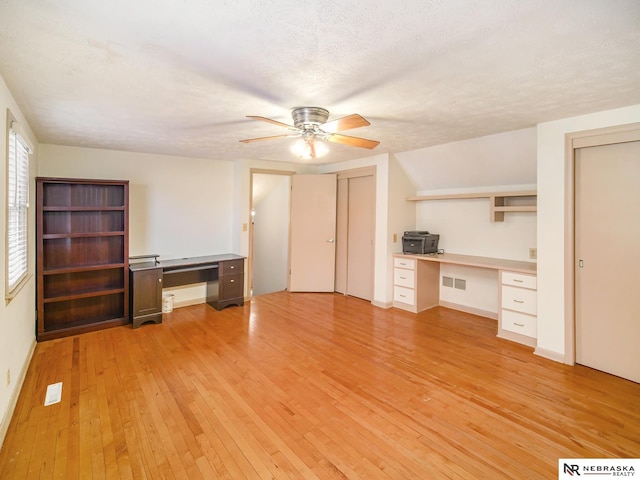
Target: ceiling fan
[[310, 124]]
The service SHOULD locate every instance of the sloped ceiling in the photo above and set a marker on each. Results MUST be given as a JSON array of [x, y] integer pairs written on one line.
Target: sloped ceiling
[[503, 161], [179, 77]]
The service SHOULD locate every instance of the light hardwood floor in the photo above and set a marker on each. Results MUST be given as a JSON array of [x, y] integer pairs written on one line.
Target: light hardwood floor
[[308, 386]]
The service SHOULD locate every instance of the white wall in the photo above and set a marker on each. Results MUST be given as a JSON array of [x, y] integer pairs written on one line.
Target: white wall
[[553, 231], [178, 207], [465, 228], [17, 317], [502, 162], [400, 218]]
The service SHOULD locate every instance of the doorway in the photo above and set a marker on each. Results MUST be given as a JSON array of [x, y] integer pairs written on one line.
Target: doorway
[[270, 247], [269, 233], [606, 235]]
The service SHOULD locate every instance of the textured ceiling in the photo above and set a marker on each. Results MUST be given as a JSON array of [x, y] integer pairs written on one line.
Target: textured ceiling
[[179, 76]]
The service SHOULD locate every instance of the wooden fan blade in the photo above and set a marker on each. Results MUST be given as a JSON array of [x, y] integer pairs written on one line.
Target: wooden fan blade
[[269, 120], [345, 123], [259, 139], [353, 141], [312, 147]]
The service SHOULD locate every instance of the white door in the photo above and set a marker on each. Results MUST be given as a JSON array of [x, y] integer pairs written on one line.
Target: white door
[[313, 230], [355, 234], [360, 237], [607, 241], [342, 235]]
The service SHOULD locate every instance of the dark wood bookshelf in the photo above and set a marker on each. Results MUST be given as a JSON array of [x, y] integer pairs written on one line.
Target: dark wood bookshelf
[[82, 243]]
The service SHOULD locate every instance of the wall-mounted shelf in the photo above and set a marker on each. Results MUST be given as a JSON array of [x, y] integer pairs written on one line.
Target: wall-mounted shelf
[[500, 202]]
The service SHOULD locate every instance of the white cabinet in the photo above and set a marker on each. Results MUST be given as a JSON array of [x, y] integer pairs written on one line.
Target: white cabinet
[[518, 307], [404, 277], [413, 283], [405, 296]]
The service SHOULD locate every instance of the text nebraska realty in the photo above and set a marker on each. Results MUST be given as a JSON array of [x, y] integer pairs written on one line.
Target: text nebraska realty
[[613, 470]]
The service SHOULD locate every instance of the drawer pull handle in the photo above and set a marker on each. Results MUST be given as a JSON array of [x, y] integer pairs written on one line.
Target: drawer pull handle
[[231, 281], [403, 296], [518, 301], [518, 324], [232, 267], [403, 278], [518, 280]]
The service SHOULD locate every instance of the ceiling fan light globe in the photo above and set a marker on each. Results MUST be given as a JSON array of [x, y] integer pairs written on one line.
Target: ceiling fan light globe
[[302, 148], [321, 148]]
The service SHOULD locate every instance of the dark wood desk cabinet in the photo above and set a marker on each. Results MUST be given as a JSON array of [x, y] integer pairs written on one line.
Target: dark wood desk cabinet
[[230, 285], [223, 274], [146, 300]]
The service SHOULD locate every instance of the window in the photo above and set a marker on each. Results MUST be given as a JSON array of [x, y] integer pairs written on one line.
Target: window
[[17, 205]]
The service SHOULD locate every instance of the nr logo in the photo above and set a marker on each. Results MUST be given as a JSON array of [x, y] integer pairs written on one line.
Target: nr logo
[[572, 469]]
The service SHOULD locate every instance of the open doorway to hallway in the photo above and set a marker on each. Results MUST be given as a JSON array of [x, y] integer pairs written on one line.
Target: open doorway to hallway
[[270, 207]]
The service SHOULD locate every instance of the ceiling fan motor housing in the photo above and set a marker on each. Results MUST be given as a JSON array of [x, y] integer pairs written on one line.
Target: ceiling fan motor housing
[[309, 116]]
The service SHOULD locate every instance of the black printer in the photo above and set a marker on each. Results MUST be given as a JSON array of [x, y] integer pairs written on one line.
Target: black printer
[[419, 242]]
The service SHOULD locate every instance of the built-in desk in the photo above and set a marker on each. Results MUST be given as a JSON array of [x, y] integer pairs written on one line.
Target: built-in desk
[[417, 288], [223, 274]]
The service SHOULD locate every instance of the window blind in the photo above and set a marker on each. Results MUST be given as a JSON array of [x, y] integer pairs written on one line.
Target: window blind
[[17, 205]]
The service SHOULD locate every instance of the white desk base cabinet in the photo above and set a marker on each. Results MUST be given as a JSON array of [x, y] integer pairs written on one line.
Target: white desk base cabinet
[[517, 319], [415, 284], [416, 287]]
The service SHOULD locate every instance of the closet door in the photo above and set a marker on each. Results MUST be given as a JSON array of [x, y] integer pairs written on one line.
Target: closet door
[[360, 246], [607, 235], [354, 249], [342, 235]]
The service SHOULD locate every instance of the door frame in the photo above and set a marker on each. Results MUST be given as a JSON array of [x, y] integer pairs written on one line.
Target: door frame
[[574, 141], [261, 171]]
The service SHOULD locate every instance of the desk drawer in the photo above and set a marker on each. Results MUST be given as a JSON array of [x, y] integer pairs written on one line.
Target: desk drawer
[[519, 280], [231, 266], [231, 286], [404, 295], [519, 323], [408, 263], [519, 299], [404, 278]]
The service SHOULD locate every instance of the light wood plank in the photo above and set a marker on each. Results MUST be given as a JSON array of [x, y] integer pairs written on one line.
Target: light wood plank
[[309, 385]]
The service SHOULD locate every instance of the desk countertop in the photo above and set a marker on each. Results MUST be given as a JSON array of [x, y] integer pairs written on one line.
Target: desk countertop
[[184, 262], [474, 261]]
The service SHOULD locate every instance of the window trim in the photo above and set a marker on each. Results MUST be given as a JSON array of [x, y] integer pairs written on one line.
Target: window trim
[[13, 128]]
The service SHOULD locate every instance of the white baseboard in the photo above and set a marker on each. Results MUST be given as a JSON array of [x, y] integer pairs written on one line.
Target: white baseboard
[[472, 310], [188, 303], [551, 355], [13, 400], [377, 303]]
